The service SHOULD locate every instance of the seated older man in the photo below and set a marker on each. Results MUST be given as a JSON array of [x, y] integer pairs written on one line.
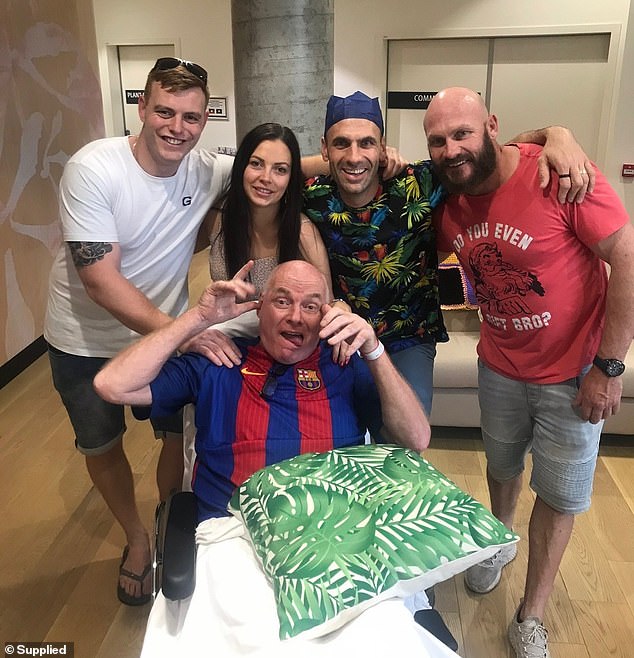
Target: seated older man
[[286, 398]]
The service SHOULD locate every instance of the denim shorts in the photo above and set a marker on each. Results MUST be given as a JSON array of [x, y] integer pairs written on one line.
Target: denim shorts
[[517, 417], [416, 365], [98, 424], [414, 359]]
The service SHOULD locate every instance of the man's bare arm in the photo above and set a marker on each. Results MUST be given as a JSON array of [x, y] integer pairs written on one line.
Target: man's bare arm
[[564, 155], [403, 415], [98, 266], [599, 395], [126, 378], [314, 165]]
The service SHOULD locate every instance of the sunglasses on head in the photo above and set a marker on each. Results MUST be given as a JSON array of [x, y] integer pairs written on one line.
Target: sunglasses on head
[[167, 63]]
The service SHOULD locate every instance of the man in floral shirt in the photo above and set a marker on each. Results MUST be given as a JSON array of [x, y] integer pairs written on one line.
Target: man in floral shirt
[[379, 237]]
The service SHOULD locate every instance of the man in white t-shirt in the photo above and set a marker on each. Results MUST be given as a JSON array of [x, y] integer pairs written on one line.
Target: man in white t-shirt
[[130, 209]]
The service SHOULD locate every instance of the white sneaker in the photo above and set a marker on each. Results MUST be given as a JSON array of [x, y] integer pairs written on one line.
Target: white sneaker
[[484, 576], [528, 638]]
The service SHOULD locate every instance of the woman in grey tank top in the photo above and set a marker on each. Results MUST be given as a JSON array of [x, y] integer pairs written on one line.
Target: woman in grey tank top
[[260, 218]]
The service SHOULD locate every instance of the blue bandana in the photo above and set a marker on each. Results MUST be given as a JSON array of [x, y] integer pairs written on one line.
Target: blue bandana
[[355, 106]]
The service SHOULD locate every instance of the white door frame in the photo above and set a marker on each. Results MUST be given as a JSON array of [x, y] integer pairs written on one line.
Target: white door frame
[[111, 83]]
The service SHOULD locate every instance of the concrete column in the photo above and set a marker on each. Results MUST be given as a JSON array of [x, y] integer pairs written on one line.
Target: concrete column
[[283, 61]]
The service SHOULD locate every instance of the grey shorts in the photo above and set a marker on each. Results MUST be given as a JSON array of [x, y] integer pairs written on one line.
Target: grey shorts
[[98, 424], [517, 417]]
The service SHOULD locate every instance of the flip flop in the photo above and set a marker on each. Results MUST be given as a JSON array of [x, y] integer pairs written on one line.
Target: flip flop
[[122, 595]]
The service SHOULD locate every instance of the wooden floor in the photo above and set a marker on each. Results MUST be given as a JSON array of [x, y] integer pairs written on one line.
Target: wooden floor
[[60, 548]]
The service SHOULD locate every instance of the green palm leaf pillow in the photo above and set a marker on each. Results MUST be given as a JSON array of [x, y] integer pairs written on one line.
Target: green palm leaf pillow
[[338, 531]]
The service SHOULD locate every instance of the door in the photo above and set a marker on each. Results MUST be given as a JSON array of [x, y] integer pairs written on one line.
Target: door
[[135, 62], [428, 65], [540, 81], [529, 82]]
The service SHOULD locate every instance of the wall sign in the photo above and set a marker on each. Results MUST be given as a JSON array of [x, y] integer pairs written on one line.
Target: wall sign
[[409, 100], [627, 171], [132, 96], [217, 108]]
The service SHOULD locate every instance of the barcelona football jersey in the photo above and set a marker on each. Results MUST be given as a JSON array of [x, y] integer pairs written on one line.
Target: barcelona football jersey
[[261, 412]]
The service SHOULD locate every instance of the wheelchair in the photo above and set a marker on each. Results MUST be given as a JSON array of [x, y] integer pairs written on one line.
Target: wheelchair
[[174, 551], [174, 560]]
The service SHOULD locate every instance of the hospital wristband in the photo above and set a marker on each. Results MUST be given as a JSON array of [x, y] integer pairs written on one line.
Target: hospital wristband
[[375, 353]]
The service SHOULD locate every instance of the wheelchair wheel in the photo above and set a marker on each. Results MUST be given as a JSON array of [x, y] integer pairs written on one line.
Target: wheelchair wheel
[[157, 550]]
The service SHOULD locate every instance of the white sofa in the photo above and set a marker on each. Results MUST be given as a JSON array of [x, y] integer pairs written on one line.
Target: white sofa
[[456, 379]]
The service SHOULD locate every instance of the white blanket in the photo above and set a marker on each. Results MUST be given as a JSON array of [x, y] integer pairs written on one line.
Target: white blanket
[[232, 613]]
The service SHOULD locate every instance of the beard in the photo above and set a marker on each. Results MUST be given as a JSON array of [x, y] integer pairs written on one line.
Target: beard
[[483, 164]]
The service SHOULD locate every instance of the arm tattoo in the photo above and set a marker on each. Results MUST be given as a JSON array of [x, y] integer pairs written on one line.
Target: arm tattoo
[[87, 253]]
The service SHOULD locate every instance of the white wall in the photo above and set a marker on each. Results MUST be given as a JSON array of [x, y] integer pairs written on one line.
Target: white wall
[[201, 32], [361, 49], [622, 138]]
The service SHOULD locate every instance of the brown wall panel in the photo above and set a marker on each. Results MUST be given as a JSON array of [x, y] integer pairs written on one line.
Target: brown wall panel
[[50, 105]]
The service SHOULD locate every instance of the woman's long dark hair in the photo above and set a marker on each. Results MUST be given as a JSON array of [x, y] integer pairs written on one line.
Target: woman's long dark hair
[[236, 219]]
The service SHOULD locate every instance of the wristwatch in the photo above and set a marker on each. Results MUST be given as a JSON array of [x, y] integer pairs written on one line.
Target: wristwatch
[[611, 367]]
